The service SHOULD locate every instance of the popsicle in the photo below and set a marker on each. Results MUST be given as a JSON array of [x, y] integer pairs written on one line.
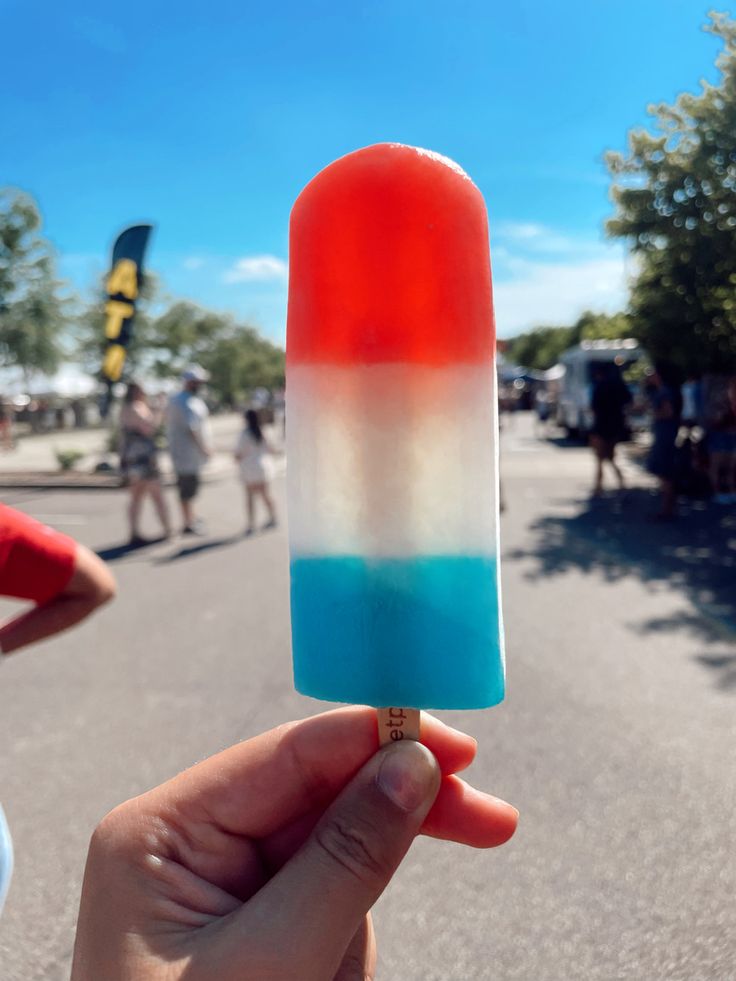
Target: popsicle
[[392, 436]]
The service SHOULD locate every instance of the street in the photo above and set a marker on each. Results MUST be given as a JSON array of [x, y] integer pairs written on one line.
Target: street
[[616, 740]]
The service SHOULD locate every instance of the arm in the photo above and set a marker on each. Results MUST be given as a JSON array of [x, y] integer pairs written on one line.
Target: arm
[[194, 425], [203, 449], [90, 586], [140, 418]]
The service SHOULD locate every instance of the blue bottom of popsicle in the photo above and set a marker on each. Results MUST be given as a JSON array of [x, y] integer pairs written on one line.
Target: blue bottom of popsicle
[[422, 632]]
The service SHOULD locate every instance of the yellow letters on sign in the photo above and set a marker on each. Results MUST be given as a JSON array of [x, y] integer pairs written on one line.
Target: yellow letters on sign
[[124, 279], [112, 366], [117, 312]]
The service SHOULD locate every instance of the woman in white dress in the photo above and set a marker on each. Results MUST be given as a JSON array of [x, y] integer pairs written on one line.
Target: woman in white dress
[[252, 453]]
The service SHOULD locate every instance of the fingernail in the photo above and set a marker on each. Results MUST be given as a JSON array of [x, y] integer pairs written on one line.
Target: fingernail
[[408, 774], [509, 809]]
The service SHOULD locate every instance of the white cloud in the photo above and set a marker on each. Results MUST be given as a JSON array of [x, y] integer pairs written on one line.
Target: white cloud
[[540, 239], [544, 276], [256, 268], [521, 230], [547, 293], [193, 262], [541, 276]]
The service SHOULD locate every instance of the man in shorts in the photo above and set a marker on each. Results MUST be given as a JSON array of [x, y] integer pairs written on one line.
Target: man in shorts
[[189, 442]]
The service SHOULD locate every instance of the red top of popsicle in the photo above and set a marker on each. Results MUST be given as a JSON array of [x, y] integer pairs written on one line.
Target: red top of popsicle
[[389, 262]]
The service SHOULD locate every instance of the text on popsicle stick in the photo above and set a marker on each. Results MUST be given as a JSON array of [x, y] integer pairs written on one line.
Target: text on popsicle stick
[[397, 723]]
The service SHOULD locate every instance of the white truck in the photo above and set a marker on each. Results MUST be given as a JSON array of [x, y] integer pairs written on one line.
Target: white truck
[[574, 413]]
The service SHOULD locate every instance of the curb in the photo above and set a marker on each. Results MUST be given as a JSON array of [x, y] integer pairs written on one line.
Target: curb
[[53, 480], [41, 480]]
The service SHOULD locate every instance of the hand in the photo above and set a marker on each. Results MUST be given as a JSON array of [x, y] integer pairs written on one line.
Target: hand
[[261, 863]]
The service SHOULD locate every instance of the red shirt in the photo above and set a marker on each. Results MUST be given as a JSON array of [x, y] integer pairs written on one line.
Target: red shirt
[[36, 562]]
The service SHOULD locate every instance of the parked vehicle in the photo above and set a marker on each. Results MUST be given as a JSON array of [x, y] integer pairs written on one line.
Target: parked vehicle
[[574, 412]]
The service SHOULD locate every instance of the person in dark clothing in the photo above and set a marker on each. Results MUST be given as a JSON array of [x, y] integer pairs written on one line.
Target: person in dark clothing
[[609, 401], [722, 448], [666, 404]]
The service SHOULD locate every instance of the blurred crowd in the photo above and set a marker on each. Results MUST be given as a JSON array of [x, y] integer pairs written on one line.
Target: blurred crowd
[[687, 427], [25, 414], [181, 425]]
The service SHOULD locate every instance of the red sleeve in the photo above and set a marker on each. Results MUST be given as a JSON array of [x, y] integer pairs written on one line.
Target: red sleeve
[[36, 562]]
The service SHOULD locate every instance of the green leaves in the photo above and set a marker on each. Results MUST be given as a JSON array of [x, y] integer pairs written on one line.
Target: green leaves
[[541, 348], [32, 314], [236, 356], [36, 328], [674, 194], [170, 334]]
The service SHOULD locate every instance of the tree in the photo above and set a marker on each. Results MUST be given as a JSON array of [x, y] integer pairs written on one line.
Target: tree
[[32, 316], [676, 206], [242, 362], [236, 356], [603, 326], [184, 334], [540, 348]]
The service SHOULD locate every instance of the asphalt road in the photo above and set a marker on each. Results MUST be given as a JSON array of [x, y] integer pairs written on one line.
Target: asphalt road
[[616, 740]]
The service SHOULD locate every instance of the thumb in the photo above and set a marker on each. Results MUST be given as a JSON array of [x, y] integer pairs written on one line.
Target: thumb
[[320, 898]]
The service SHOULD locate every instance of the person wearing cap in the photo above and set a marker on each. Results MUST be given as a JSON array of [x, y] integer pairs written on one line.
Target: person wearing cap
[[189, 442]]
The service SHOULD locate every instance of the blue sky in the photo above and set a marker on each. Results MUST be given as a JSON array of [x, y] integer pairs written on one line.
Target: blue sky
[[208, 119]]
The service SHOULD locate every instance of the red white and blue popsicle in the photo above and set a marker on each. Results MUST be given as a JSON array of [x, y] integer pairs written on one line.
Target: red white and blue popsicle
[[392, 435]]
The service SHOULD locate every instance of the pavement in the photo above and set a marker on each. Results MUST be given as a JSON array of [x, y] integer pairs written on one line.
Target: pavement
[[616, 741]]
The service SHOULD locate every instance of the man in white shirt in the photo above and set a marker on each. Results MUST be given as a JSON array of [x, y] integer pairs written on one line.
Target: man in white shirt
[[187, 425]]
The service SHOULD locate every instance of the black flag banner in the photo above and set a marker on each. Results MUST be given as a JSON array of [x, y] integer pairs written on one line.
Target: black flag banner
[[123, 285]]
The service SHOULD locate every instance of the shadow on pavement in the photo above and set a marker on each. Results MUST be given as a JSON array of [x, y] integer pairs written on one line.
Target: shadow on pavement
[[188, 551], [615, 536], [709, 631], [563, 440], [114, 552], [724, 665]]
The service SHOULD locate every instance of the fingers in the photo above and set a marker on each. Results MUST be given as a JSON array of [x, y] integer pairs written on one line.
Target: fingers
[[359, 961], [320, 898], [466, 815], [267, 782], [460, 813]]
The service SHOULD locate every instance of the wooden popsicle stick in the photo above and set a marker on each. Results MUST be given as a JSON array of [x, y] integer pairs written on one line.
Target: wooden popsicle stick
[[397, 723]]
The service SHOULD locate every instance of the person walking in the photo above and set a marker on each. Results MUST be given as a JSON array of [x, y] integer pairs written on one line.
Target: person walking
[[692, 396], [139, 460], [722, 448], [609, 401], [666, 408], [252, 453], [189, 443]]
